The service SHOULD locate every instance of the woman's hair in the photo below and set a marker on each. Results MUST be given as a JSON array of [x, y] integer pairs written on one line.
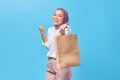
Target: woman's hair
[[66, 17]]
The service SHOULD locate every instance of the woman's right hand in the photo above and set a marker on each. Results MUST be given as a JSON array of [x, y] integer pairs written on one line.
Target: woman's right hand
[[41, 28]]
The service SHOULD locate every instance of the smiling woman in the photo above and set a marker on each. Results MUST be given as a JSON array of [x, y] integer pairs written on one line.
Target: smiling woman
[[61, 15], [96, 22], [60, 21]]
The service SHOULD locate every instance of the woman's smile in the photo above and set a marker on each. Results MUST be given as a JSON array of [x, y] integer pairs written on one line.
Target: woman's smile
[[58, 17]]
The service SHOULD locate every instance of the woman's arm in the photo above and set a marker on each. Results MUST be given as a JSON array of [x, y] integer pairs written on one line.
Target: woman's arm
[[45, 41], [41, 28]]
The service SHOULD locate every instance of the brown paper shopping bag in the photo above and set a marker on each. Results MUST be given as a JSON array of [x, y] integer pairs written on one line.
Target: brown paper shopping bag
[[67, 51]]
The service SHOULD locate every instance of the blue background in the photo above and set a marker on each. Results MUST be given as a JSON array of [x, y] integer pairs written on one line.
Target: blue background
[[96, 22]]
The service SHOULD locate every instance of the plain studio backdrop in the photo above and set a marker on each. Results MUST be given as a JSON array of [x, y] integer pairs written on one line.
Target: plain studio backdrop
[[96, 22]]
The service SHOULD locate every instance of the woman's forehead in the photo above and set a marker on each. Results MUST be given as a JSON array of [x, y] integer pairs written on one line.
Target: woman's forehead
[[59, 12]]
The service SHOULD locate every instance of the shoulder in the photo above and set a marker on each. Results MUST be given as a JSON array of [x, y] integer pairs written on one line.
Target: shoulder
[[50, 29]]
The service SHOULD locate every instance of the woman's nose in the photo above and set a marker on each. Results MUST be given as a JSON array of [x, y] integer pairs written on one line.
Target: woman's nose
[[56, 17]]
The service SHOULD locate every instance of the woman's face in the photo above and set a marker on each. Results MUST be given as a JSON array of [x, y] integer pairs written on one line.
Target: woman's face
[[58, 17]]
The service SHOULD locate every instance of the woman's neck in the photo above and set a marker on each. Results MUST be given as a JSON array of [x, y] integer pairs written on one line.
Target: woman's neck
[[57, 27]]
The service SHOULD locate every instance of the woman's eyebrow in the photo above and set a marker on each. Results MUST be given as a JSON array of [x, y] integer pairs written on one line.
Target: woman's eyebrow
[[60, 14]]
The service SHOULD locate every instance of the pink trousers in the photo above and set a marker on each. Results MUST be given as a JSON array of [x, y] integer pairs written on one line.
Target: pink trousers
[[54, 73]]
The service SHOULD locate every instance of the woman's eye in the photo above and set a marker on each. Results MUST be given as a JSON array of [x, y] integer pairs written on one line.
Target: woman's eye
[[54, 14], [60, 15]]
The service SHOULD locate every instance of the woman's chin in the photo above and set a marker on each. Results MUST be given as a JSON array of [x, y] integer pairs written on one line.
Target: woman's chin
[[56, 24]]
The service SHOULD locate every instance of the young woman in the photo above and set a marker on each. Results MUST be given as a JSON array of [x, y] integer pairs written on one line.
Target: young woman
[[61, 27]]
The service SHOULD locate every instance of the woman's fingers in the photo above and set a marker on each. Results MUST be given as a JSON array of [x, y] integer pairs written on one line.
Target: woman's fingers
[[41, 28], [64, 26]]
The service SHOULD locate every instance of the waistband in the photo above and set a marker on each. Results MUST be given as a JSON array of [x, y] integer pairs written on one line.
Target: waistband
[[51, 58]]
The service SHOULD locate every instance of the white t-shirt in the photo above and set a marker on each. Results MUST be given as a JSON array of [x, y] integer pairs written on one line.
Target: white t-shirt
[[50, 44]]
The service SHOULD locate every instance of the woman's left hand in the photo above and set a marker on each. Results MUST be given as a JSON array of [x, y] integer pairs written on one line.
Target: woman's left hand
[[63, 26]]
